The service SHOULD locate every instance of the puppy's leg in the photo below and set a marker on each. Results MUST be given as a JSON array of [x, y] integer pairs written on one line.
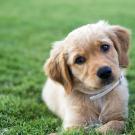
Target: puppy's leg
[[114, 112], [79, 118], [114, 126], [73, 121]]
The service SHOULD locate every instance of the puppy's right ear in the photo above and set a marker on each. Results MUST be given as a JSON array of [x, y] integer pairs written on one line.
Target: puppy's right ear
[[57, 69], [121, 42]]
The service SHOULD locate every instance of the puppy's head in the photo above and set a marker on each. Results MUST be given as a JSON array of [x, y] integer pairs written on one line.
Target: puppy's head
[[91, 56]]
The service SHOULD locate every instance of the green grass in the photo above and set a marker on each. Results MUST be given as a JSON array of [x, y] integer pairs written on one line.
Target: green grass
[[27, 29]]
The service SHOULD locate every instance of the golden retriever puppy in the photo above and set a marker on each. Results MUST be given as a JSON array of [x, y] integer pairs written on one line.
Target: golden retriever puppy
[[86, 85]]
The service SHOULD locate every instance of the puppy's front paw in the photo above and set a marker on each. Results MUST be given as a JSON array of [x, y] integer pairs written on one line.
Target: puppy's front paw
[[114, 126], [103, 129]]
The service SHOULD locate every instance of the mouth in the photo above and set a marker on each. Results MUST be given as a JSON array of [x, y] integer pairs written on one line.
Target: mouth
[[105, 90], [109, 85], [104, 83], [108, 81]]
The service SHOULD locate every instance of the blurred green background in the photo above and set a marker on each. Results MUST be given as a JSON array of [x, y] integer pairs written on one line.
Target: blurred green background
[[27, 29]]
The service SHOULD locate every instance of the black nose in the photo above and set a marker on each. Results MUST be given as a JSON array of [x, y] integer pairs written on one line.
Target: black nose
[[104, 72]]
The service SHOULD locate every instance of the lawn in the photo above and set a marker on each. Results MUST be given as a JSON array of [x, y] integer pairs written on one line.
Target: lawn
[[27, 29]]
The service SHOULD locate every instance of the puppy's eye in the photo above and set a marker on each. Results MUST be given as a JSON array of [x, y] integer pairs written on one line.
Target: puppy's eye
[[80, 60], [105, 47]]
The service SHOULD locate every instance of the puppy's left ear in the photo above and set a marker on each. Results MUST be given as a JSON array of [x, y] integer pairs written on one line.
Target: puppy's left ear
[[121, 42], [57, 69]]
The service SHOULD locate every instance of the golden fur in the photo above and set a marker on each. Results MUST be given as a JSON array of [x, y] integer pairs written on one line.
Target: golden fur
[[61, 92]]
